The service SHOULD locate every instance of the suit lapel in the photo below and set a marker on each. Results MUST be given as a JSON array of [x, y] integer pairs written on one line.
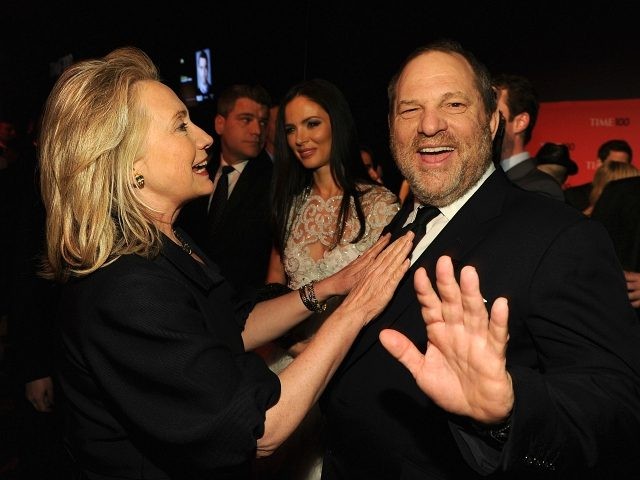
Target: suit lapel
[[245, 185], [521, 170]]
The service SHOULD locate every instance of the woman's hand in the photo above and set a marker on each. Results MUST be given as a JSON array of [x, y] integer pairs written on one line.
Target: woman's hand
[[378, 270], [39, 393], [341, 282], [633, 287], [379, 276]]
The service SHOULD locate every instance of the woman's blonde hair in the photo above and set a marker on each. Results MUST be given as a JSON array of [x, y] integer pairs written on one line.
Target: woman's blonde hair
[[93, 130], [608, 172]]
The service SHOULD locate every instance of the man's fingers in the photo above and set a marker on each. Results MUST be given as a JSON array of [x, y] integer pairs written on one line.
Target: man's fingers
[[402, 349], [449, 291], [476, 317], [499, 323], [427, 296]]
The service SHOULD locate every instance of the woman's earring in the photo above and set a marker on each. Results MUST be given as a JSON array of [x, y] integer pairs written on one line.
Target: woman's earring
[[139, 180]]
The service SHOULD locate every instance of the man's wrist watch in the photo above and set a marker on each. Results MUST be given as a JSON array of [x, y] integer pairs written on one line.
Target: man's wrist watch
[[498, 432]]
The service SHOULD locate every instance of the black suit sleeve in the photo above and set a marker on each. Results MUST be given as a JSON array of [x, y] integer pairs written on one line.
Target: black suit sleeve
[[582, 404]]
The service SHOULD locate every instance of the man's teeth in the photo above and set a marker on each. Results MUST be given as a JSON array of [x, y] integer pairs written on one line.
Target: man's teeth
[[436, 150]]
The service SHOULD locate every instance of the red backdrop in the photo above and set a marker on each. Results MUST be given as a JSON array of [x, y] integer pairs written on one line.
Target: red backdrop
[[583, 126]]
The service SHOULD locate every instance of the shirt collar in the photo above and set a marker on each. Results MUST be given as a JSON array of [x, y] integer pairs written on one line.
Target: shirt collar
[[514, 160], [450, 210], [238, 166]]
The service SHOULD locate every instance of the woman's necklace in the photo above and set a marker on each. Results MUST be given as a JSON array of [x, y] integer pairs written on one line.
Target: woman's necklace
[[184, 245]]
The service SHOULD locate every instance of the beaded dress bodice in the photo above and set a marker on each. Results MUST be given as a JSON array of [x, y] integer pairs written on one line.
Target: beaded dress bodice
[[316, 221]]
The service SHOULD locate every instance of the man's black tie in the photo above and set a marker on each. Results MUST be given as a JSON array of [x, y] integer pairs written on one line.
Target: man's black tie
[[219, 199], [425, 214]]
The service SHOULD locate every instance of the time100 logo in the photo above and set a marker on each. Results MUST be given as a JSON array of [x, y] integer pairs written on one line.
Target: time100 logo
[[610, 122]]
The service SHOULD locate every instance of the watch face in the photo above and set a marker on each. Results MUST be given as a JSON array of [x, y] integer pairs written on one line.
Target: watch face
[[500, 432]]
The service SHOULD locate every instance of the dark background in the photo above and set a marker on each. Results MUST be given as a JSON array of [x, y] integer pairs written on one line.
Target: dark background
[[584, 52]]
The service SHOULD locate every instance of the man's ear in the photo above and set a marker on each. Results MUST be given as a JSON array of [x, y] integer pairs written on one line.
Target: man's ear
[[218, 124], [496, 122], [520, 122]]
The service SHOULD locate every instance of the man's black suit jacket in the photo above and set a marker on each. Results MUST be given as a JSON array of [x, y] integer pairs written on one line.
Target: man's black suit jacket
[[241, 243], [573, 353]]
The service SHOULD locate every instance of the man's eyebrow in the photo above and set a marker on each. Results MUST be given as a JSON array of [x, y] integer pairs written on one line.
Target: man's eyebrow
[[457, 93], [408, 102]]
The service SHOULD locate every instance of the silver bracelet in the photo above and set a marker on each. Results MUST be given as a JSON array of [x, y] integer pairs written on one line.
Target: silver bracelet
[[309, 299]]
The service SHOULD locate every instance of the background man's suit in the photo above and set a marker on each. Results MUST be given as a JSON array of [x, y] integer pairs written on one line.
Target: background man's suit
[[527, 176], [566, 293], [241, 243], [578, 196]]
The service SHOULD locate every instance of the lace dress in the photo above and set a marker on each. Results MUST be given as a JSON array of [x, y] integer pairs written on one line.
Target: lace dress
[[316, 222]]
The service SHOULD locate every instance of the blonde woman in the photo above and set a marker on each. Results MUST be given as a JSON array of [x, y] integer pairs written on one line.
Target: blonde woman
[[153, 356], [606, 173]]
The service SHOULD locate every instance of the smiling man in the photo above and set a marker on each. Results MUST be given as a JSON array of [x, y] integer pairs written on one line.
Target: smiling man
[[545, 385]]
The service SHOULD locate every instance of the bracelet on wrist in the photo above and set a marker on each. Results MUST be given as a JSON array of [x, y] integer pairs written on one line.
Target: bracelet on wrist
[[309, 299]]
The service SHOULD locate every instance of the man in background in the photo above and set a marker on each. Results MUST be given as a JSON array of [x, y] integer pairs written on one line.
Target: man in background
[[518, 104], [554, 160], [235, 231]]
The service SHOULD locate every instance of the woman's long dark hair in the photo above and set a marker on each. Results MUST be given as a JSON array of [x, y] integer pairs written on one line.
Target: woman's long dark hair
[[290, 178]]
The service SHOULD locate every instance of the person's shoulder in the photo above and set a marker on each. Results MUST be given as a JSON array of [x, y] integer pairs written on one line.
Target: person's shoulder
[[623, 193], [532, 204], [377, 191], [119, 279], [542, 178], [526, 176], [259, 168], [578, 188], [378, 202], [263, 159], [630, 183], [131, 268], [523, 203], [578, 196], [371, 187]]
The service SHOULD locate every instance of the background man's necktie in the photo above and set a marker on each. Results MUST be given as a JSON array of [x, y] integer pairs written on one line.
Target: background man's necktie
[[425, 214], [220, 196]]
